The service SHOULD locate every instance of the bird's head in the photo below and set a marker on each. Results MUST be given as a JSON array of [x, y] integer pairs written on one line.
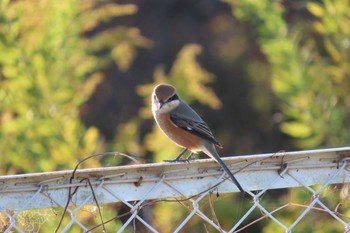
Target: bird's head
[[164, 98]]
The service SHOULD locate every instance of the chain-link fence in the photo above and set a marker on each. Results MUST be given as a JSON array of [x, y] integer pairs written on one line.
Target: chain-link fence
[[181, 197]]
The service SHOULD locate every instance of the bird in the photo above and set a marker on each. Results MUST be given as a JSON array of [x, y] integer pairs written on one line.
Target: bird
[[184, 126]]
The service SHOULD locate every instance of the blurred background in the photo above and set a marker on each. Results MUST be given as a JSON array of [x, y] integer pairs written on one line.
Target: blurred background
[[76, 78]]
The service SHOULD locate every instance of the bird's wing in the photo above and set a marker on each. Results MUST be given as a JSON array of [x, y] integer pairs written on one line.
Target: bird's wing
[[199, 128]]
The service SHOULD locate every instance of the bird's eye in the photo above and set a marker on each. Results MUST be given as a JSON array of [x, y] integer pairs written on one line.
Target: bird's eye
[[174, 97]]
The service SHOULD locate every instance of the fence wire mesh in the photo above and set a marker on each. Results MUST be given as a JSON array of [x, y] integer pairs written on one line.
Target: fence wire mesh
[[184, 197]]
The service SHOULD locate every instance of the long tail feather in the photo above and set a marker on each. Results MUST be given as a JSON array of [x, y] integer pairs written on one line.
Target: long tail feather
[[211, 152]]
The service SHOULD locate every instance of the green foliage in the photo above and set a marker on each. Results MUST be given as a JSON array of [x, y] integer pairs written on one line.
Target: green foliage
[[309, 64], [47, 70], [309, 71]]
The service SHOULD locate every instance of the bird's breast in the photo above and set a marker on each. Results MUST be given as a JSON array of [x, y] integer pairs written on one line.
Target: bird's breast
[[180, 136]]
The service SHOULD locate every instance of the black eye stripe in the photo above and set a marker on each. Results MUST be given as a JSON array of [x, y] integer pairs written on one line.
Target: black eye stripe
[[174, 97]]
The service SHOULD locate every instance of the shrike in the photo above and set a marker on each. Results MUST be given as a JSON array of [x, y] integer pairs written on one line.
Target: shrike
[[184, 126]]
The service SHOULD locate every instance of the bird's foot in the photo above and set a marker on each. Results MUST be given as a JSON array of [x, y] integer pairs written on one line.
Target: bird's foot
[[179, 159]]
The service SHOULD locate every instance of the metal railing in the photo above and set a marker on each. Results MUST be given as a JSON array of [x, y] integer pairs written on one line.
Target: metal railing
[[116, 199]]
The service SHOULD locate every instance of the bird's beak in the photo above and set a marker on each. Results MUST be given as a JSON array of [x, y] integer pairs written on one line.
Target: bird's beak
[[160, 104]]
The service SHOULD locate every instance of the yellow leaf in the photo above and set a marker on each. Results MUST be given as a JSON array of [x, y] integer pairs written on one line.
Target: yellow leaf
[[296, 129], [315, 9]]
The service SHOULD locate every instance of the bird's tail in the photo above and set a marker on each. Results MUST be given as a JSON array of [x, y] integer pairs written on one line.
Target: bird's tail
[[211, 152]]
